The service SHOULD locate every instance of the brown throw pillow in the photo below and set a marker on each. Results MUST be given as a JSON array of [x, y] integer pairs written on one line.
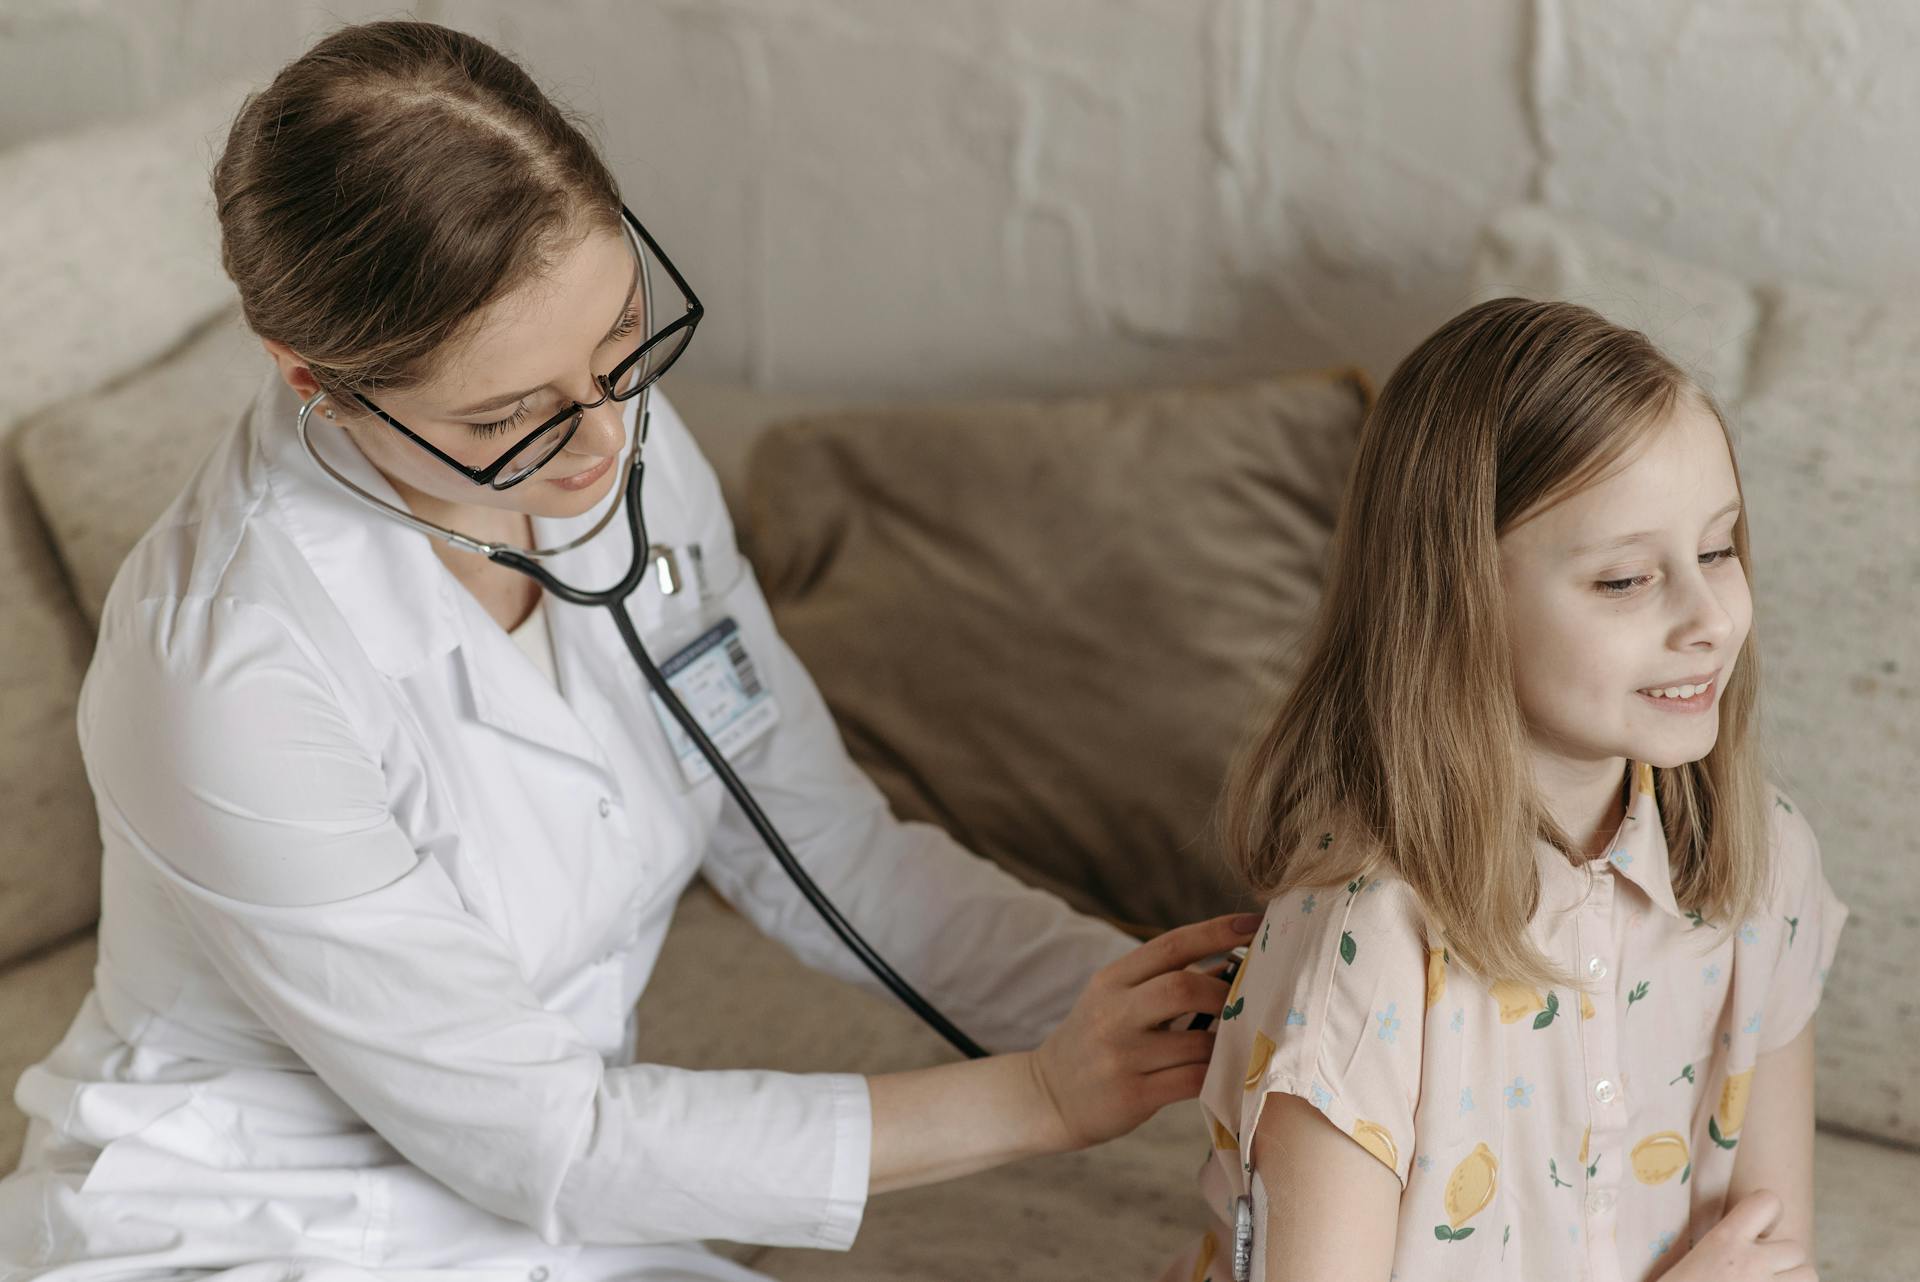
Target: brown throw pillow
[[1047, 625]]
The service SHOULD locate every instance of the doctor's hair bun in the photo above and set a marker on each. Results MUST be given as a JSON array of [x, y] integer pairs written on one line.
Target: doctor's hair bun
[[391, 182]]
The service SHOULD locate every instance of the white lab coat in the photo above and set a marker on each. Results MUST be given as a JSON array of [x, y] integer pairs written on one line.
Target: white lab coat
[[378, 902]]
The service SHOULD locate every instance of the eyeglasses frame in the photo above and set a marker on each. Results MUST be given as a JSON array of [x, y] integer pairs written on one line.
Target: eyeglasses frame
[[574, 409]]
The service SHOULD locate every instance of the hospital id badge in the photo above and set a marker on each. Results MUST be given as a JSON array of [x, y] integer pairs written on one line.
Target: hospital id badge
[[716, 679]]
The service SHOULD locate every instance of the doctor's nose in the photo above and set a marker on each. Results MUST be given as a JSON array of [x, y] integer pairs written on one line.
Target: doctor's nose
[[602, 430]]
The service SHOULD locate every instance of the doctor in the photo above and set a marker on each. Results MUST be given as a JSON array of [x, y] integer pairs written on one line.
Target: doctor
[[391, 842]]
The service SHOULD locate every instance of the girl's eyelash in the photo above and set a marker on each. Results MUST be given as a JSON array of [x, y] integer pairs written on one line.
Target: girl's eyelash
[[1620, 587], [626, 327]]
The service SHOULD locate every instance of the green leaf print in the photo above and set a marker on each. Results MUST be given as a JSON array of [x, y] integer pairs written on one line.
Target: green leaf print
[[1326, 839], [1553, 1173], [1713, 1132], [1446, 1234], [1593, 1167], [1546, 1016], [1689, 1171], [1233, 1009], [1687, 1073], [1781, 802], [1504, 1235], [1354, 887], [1694, 917], [1793, 928], [1347, 947], [1265, 931], [1639, 991]]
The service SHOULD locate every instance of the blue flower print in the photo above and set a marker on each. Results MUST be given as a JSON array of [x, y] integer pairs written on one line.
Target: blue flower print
[[1372, 886], [1389, 1022], [1620, 859], [1710, 974], [1424, 1162], [1520, 1094], [1752, 1025], [1573, 1232], [1748, 934], [1459, 1020], [1662, 1243], [1295, 1019], [1318, 1096], [1306, 905], [1466, 1100]]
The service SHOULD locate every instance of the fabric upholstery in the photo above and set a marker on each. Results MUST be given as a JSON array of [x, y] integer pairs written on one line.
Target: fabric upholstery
[[1045, 625]]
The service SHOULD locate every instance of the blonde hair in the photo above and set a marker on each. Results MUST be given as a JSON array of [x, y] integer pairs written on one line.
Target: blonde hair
[[1404, 730]]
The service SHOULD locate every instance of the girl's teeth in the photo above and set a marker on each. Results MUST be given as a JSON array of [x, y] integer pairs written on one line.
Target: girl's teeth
[[1677, 692]]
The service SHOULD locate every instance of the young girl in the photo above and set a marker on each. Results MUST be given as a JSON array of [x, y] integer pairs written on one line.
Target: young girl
[[1532, 995]]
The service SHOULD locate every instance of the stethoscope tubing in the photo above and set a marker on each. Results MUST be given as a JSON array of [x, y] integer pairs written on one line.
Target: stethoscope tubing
[[614, 598]]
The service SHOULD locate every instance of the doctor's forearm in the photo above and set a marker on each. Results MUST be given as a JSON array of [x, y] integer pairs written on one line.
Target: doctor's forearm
[[935, 1124]]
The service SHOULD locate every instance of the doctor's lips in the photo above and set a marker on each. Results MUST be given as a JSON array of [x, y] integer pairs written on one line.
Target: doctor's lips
[[1689, 694], [581, 480]]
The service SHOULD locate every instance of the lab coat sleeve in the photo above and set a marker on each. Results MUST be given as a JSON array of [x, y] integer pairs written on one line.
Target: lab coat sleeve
[[223, 758], [1002, 960]]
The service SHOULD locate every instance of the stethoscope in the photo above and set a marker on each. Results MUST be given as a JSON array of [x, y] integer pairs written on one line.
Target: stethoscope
[[614, 598]]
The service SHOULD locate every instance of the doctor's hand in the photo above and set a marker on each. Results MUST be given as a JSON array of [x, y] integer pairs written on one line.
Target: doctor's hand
[[1110, 1065]]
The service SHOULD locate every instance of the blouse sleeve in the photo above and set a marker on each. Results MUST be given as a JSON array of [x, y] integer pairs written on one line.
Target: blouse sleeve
[[1805, 930], [223, 761], [1329, 1007]]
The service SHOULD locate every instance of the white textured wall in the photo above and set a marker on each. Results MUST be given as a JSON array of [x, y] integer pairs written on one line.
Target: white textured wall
[[902, 195]]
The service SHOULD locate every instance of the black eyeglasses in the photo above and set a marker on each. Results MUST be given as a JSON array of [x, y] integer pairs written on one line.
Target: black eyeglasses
[[637, 370]]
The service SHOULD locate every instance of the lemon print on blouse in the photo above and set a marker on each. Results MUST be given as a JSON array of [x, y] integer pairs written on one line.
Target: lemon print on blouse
[[1659, 1157], [1222, 1137], [1436, 975], [1586, 1006], [1724, 1125], [1516, 1001], [1258, 1061], [1585, 1137], [1206, 1258], [1643, 778], [1377, 1140], [1469, 1191]]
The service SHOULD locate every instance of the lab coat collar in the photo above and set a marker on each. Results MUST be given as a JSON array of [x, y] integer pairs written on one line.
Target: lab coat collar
[[405, 606], [383, 577]]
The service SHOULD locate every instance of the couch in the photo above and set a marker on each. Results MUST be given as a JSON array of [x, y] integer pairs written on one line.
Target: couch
[[111, 383]]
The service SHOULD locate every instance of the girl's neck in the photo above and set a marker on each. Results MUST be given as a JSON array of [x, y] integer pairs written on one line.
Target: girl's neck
[[1584, 797]]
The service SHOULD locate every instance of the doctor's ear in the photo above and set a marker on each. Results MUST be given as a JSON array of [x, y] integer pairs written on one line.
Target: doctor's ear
[[296, 372]]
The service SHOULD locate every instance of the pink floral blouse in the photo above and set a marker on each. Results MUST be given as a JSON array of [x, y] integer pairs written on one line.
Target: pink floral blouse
[[1555, 1134]]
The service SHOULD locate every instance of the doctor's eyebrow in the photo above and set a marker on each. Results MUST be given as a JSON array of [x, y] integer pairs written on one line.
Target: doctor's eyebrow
[[1642, 536], [495, 402]]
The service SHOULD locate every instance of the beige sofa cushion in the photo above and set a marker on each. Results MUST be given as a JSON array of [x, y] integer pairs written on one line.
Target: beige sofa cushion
[[107, 257], [1825, 413], [1045, 625]]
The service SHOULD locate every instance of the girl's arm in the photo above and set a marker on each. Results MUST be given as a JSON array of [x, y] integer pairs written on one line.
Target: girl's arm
[[1776, 1142], [1333, 1210]]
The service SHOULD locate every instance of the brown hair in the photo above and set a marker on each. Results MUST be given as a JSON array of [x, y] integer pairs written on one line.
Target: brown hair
[[389, 184], [1404, 728]]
